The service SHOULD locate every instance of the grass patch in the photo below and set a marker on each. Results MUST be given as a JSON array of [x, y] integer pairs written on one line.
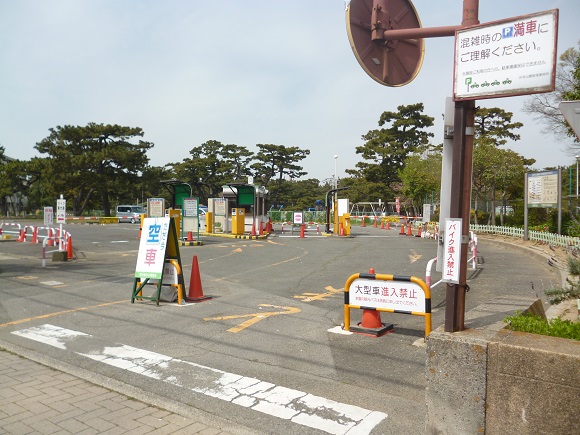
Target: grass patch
[[537, 325]]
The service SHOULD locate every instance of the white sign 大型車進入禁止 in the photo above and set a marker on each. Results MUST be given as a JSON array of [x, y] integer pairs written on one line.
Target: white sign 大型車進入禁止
[[515, 56], [393, 295]]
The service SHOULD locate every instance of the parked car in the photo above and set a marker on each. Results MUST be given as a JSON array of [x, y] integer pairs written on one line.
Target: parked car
[[129, 213]]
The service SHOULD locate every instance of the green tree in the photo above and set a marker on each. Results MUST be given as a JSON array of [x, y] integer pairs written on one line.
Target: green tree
[[421, 176], [94, 160], [211, 165], [274, 162], [496, 123], [386, 149], [544, 107]]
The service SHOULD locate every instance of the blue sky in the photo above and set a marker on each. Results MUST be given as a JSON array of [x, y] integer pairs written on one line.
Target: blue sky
[[240, 72]]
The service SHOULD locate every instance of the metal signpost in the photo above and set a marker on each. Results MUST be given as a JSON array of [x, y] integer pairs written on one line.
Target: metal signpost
[[386, 38]]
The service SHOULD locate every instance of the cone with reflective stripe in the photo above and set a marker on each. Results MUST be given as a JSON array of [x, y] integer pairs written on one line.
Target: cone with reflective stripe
[[402, 233], [195, 290]]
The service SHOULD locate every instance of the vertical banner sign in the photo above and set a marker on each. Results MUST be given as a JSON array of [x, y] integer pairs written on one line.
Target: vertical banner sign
[[61, 211], [543, 189], [452, 250], [426, 213], [48, 216], [151, 256]]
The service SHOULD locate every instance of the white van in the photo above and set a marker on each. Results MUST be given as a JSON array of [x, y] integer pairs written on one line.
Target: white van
[[129, 213]]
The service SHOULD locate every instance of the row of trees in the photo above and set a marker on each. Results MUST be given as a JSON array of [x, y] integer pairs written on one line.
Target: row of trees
[[97, 166]]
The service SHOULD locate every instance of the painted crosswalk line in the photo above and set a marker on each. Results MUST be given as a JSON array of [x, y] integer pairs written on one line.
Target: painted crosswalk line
[[278, 401]]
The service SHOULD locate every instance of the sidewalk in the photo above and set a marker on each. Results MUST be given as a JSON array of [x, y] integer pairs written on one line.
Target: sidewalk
[[37, 399]]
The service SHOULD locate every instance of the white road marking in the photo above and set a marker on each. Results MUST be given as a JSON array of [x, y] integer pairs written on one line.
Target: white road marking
[[51, 283], [297, 406]]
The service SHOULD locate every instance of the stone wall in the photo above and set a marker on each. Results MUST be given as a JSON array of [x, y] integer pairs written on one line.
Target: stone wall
[[488, 379]]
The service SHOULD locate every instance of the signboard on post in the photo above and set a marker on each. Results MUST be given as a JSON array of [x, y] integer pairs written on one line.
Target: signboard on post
[[61, 211], [543, 189], [516, 56], [155, 207], [190, 207], [452, 250], [298, 218], [48, 216]]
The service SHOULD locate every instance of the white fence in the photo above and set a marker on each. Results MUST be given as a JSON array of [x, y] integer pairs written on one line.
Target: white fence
[[538, 236]]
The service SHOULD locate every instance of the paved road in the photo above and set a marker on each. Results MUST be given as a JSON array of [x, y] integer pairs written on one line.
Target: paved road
[[260, 353]]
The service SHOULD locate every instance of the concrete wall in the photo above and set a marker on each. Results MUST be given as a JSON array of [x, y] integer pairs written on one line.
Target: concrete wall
[[487, 379]]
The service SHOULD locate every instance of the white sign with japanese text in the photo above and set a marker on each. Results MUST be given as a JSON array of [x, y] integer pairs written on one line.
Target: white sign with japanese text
[[452, 250], [190, 207], [61, 211], [392, 295], [516, 56], [48, 216], [151, 256]]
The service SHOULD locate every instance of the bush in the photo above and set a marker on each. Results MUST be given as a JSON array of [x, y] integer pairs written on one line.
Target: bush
[[537, 325]]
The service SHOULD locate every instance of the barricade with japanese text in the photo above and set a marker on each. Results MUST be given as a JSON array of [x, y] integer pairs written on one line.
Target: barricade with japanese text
[[387, 293]]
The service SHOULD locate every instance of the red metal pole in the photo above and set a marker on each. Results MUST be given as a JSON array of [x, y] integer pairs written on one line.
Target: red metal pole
[[461, 189]]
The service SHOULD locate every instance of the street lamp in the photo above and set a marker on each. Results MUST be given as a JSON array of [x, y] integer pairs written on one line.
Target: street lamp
[[335, 172], [577, 157]]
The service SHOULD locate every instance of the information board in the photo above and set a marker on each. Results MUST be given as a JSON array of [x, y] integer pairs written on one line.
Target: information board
[[190, 206], [155, 207], [543, 189]]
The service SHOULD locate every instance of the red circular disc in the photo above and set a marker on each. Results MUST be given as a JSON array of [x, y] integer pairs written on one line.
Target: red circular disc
[[391, 63]]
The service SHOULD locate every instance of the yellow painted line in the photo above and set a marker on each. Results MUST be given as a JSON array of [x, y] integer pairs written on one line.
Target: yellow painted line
[[27, 277], [256, 317], [309, 297], [58, 313]]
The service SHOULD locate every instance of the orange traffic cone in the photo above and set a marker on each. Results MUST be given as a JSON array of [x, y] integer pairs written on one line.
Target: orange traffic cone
[[402, 233], [35, 235], [409, 230], [388, 225], [382, 225], [195, 291], [261, 232], [21, 236], [302, 230], [375, 224], [253, 233], [341, 230], [69, 248], [363, 222], [189, 236], [419, 231]]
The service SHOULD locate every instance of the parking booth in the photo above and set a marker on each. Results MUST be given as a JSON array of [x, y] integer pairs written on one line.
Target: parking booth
[[249, 199]]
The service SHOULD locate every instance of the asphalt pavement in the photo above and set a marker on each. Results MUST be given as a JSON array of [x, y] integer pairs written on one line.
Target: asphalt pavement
[[264, 355]]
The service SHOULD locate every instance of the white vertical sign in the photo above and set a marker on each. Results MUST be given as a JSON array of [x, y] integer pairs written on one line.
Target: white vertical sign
[[452, 250], [48, 216], [151, 255], [61, 211]]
